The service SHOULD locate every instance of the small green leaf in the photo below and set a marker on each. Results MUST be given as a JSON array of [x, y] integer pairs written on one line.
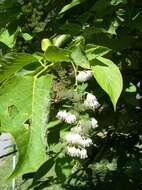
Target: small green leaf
[[93, 51], [60, 40], [131, 88], [71, 5], [108, 76], [45, 43], [55, 54], [79, 58], [53, 124], [27, 36], [7, 38]]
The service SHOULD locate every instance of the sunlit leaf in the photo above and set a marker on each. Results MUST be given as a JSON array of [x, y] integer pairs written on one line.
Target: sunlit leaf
[[7, 38], [108, 76], [79, 58], [23, 113], [55, 54]]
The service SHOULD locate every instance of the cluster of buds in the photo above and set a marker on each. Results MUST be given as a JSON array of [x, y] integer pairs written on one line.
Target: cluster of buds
[[91, 102], [66, 116], [83, 76]]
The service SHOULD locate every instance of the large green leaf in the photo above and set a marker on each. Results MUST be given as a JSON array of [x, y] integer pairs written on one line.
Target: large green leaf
[[79, 58], [108, 77], [21, 60], [23, 113], [55, 54]]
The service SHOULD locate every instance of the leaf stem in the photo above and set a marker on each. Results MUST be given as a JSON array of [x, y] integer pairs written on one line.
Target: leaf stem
[[43, 70], [75, 73]]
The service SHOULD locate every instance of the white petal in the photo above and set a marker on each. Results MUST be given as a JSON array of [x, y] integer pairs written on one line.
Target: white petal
[[83, 153], [94, 123]]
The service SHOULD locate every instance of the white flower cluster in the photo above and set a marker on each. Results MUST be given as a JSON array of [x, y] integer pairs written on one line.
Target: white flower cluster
[[66, 116], [76, 139], [91, 101], [77, 152], [77, 142], [84, 76]]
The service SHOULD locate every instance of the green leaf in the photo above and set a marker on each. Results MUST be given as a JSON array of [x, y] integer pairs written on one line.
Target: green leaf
[[7, 38], [79, 58], [55, 54], [23, 114], [52, 124], [71, 5], [61, 39], [20, 60], [117, 2], [45, 43], [108, 76], [132, 88], [27, 36], [93, 51]]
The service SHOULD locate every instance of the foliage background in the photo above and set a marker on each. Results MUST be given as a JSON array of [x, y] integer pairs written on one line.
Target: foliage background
[[115, 162]]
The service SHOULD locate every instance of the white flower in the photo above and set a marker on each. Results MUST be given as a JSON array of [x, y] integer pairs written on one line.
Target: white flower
[[70, 118], [83, 153], [91, 101], [84, 76], [76, 152], [62, 115], [73, 138], [94, 123], [139, 84], [138, 96], [86, 142], [66, 116], [73, 152]]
